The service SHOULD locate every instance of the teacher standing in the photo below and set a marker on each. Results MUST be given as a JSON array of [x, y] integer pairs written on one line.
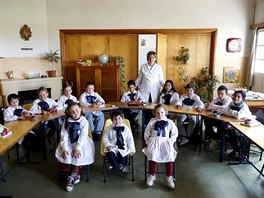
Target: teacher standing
[[150, 79]]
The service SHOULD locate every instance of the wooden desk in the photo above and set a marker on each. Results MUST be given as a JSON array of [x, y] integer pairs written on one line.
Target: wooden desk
[[255, 103], [255, 134], [106, 107]]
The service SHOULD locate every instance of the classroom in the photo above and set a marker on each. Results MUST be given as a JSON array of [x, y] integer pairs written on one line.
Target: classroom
[[106, 43]]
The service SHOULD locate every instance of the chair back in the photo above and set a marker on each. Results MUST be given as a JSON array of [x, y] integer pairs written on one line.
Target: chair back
[[108, 122], [27, 106]]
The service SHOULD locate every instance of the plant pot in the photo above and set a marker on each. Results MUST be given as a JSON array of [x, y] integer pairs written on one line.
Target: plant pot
[[51, 73]]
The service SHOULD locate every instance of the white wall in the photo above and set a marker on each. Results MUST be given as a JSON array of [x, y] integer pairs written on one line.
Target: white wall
[[46, 18]]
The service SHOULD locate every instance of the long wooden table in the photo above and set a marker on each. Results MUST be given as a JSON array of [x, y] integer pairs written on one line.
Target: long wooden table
[[255, 134]]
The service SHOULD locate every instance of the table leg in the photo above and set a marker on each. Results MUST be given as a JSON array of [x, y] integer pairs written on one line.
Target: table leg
[[222, 142], [43, 128]]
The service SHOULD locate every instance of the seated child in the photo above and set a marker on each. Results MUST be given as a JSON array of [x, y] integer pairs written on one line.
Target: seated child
[[217, 106], [239, 110], [169, 96], [96, 118], [188, 100], [15, 112], [119, 143], [75, 147], [128, 97], [66, 98], [160, 136], [44, 105]]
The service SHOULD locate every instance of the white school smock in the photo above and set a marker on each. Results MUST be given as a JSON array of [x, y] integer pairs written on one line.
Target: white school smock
[[61, 101], [174, 98], [84, 144], [36, 109], [150, 81], [110, 138], [84, 103], [197, 101], [214, 106], [125, 97], [160, 149], [243, 112], [9, 113]]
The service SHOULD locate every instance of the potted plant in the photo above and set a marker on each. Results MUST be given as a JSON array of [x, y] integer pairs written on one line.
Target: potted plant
[[205, 84], [182, 60], [119, 61], [52, 57]]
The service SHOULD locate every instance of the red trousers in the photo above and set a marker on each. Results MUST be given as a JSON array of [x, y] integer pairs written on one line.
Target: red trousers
[[168, 165]]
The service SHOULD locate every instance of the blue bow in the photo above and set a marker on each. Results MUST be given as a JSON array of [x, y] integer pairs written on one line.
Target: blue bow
[[120, 140], [43, 105], [132, 96], [236, 108], [18, 112], [160, 127], [219, 103], [68, 101], [91, 99], [74, 128], [167, 98], [188, 101]]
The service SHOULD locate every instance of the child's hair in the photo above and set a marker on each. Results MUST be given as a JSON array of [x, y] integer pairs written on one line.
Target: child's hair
[[173, 88], [151, 53], [131, 82], [116, 113], [67, 85], [190, 86], [240, 92], [42, 89], [222, 88], [89, 83], [160, 106], [12, 96], [67, 113]]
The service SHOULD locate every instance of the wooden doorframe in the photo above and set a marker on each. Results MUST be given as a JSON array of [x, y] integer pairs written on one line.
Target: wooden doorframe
[[212, 31]]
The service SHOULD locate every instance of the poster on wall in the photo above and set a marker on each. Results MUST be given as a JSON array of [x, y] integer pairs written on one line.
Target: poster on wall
[[231, 74]]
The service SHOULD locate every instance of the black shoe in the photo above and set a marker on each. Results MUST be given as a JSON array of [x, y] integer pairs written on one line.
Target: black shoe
[[96, 136]]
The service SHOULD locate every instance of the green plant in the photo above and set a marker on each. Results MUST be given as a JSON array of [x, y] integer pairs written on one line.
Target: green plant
[[205, 84], [182, 60], [122, 64], [52, 57]]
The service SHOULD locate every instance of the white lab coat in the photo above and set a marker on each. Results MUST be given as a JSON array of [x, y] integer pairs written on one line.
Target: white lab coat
[[149, 81]]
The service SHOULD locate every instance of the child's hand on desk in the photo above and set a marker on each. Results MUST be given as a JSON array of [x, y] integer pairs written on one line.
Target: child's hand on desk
[[27, 115], [108, 148], [76, 153], [178, 107], [199, 109], [44, 112], [99, 103], [93, 105], [64, 154], [21, 117], [53, 110]]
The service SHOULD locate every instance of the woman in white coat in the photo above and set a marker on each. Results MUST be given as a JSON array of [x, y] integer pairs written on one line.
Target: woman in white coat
[[150, 79]]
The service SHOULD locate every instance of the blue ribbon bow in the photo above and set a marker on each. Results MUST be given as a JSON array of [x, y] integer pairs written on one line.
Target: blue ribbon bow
[[18, 112], [91, 99], [132, 96], [120, 140], [74, 128], [68, 101], [219, 103], [160, 127], [167, 98], [188, 101], [43, 105], [236, 108]]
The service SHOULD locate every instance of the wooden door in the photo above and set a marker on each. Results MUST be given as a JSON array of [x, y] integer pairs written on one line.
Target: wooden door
[[162, 48]]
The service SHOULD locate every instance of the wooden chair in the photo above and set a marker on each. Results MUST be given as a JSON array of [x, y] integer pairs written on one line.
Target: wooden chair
[[108, 122]]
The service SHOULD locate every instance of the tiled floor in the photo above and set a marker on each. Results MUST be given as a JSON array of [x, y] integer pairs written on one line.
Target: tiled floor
[[198, 175]]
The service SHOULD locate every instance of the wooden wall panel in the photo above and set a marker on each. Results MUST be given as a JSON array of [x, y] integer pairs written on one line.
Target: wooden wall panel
[[126, 46], [72, 50], [92, 46], [162, 48], [203, 47]]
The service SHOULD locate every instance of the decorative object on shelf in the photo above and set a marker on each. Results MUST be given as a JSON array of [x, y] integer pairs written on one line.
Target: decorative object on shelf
[[231, 74], [52, 57], [205, 84], [88, 62], [182, 60], [31, 74], [10, 74], [233, 45], [115, 60], [103, 59], [25, 32]]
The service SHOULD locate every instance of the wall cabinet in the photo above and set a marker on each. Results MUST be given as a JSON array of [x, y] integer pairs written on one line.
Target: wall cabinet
[[105, 78]]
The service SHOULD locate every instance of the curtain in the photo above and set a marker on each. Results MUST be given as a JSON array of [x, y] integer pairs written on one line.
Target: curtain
[[251, 63]]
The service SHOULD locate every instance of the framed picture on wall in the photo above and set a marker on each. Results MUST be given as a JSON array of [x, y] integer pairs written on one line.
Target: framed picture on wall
[[231, 74]]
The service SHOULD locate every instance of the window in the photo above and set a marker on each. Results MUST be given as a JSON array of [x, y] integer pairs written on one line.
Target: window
[[259, 57]]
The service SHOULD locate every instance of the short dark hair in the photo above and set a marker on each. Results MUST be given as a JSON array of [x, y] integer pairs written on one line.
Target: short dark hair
[[116, 113], [89, 83], [12, 96], [151, 53], [67, 85], [190, 86], [173, 88], [131, 82], [42, 89], [240, 92], [222, 88]]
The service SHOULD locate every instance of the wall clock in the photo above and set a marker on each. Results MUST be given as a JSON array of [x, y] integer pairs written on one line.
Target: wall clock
[[233, 45], [25, 32]]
